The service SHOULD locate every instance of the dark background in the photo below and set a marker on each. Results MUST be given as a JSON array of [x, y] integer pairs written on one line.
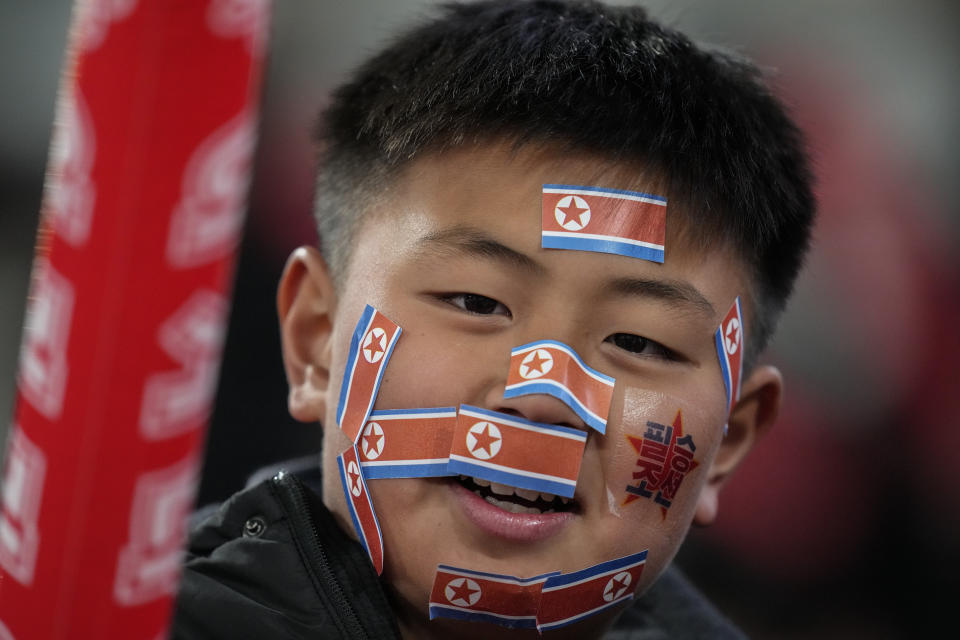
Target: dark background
[[844, 522]]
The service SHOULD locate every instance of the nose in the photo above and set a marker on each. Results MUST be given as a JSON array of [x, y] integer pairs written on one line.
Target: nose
[[538, 407]]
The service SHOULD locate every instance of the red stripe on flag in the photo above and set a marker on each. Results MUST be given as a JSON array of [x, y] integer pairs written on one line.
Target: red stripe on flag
[[397, 437], [606, 215]]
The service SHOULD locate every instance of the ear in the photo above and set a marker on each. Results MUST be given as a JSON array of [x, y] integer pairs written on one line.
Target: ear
[[751, 417], [306, 302]]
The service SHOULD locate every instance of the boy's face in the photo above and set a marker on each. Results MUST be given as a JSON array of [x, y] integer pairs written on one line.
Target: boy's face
[[452, 254]]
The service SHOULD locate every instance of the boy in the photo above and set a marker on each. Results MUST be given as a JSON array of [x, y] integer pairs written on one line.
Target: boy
[[444, 163]]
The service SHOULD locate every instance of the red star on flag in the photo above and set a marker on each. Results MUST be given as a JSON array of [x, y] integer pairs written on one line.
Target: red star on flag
[[463, 592], [572, 211], [485, 439], [536, 364]]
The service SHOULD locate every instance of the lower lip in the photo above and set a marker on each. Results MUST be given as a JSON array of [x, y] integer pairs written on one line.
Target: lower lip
[[520, 527]]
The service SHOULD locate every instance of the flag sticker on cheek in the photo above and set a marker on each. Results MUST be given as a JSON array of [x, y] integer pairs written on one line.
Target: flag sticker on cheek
[[407, 443], [553, 368], [486, 597], [372, 343], [571, 597], [664, 458], [628, 223], [510, 450], [729, 341], [361, 506]]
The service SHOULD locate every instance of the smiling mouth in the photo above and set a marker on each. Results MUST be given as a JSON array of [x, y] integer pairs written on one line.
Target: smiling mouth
[[517, 500]]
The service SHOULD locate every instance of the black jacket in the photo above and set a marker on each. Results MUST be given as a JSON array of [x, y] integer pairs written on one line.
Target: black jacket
[[272, 563]]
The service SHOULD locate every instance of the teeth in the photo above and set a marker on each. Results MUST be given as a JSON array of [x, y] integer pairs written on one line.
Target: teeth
[[511, 506], [507, 490], [526, 494], [501, 489]]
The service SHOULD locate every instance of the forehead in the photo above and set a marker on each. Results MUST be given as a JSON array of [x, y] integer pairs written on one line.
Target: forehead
[[496, 188]]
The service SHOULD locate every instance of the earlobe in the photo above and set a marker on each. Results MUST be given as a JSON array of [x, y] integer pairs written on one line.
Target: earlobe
[[752, 416], [306, 303]]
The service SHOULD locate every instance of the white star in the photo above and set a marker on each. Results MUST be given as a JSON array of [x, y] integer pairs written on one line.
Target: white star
[[617, 586], [373, 352], [732, 336], [353, 479], [536, 363], [572, 213]]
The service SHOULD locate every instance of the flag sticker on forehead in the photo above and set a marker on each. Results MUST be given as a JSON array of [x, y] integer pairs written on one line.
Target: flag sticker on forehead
[[627, 223], [372, 343], [510, 450], [571, 597], [555, 369], [486, 597], [407, 443], [361, 506], [729, 340]]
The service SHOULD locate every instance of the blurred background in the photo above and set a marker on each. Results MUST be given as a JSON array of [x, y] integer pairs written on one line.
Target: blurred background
[[845, 523]]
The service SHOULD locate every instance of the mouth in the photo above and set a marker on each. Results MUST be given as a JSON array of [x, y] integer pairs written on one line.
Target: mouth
[[519, 501]]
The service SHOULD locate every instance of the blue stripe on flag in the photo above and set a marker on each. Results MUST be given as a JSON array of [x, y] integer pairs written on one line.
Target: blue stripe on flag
[[573, 187], [358, 332], [609, 245], [724, 365], [517, 479], [446, 611], [610, 566], [581, 616], [560, 392], [405, 469]]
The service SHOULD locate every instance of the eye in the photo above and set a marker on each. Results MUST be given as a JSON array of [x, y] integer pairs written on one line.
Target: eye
[[476, 304], [641, 346]]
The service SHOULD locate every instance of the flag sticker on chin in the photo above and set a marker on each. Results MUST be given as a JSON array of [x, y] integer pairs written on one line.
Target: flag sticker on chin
[[372, 343], [729, 340], [361, 506], [628, 223], [553, 368], [407, 443], [486, 597], [571, 597]]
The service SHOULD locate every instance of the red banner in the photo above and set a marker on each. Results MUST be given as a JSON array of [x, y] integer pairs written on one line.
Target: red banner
[[142, 216]]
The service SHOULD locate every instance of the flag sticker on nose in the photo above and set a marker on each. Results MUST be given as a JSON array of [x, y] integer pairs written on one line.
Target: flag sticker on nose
[[462, 594], [571, 597], [510, 450], [628, 223], [729, 341], [361, 506], [372, 343], [407, 443], [555, 369]]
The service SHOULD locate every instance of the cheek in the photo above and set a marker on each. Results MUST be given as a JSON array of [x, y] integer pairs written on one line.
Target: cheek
[[655, 459]]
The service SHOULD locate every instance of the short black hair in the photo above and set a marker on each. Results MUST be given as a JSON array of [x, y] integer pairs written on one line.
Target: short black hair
[[602, 79]]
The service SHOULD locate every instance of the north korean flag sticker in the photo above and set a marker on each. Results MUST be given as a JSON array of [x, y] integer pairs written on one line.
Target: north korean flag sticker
[[729, 341], [583, 218], [372, 343], [360, 506]]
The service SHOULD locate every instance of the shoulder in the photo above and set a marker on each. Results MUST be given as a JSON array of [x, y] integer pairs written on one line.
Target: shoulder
[[673, 608], [271, 562]]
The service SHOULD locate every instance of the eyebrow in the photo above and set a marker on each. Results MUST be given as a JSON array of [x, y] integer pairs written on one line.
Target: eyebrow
[[673, 292], [473, 241]]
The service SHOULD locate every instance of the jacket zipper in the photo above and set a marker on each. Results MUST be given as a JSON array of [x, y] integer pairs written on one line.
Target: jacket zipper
[[342, 604]]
